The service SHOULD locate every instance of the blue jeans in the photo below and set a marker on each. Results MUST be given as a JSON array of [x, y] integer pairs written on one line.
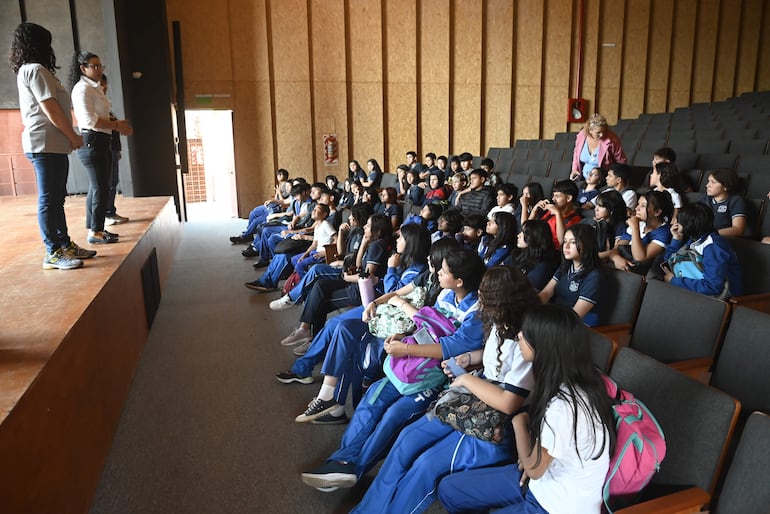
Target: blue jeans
[[96, 156], [317, 272], [51, 170]]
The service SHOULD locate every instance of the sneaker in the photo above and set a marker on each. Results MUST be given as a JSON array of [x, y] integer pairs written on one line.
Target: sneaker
[[241, 239], [100, 238], [60, 259], [281, 304], [331, 476], [249, 251], [115, 219], [316, 409], [259, 286], [301, 350], [331, 419], [77, 252], [261, 264], [298, 335], [287, 377]]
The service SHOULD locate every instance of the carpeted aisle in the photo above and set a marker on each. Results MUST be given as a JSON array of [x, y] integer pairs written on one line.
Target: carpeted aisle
[[206, 428]]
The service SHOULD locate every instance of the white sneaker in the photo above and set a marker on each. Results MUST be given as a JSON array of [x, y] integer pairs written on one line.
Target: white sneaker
[[281, 304], [302, 349], [115, 220], [299, 335]]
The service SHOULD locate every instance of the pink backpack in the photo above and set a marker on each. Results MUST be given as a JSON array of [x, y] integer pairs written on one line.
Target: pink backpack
[[412, 375], [639, 449]]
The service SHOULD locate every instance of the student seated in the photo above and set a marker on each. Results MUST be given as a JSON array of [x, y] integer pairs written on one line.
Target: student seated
[[618, 176], [609, 221], [478, 197], [429, 449], [595, 183], [428, 217], [436, 190], [459, 183], [281, 199], [389, 206], [474, 226], [565, 439], [505, 196], [578, 281], [559, 212], [647, 235], [722, 196], [720, 272], [500, 239], [449, 224], [665, 177], [531, 195], [535, 256]]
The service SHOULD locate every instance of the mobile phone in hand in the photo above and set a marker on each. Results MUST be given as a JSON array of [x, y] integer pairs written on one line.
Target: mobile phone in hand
[[422, 336], [455, 368]]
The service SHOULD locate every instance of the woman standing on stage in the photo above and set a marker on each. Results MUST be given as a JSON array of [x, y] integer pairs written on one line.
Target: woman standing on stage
[[47, 140], [92, 110]]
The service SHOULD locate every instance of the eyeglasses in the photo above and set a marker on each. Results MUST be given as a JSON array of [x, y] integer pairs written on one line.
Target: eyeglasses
[[96, 66]]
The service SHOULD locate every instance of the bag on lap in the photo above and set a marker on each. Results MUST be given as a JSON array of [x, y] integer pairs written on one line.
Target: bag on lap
[[292, 246]]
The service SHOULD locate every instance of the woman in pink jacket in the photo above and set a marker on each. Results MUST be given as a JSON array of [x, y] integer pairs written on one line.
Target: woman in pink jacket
[[596, 146]]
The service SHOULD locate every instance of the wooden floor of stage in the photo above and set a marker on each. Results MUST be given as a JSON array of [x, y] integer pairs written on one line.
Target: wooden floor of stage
[[38, 307]]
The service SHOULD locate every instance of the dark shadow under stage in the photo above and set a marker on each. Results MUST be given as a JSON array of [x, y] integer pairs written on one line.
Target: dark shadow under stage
[[69, 344]]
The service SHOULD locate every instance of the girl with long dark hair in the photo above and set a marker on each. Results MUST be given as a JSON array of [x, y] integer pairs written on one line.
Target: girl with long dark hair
[[535, 256], [500, 240], [564, 441]]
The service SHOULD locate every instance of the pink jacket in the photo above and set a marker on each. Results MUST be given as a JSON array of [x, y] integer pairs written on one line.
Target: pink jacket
[[610, 150]]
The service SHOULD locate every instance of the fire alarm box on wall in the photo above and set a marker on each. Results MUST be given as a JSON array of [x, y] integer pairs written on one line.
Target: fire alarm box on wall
[[577, 110]]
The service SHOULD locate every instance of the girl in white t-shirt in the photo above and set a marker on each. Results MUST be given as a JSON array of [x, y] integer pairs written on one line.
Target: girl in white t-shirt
[[564, 442]]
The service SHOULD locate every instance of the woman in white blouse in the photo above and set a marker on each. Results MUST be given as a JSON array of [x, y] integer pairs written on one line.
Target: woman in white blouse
[[92, 110]]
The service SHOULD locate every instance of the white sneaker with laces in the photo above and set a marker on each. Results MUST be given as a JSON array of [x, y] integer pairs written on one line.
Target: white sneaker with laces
[[299, 335], [281, 304]]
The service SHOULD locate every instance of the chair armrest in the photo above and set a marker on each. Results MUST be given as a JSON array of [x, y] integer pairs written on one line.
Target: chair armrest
[[682, 502], [698, 369], [620, 333], [758, 302]]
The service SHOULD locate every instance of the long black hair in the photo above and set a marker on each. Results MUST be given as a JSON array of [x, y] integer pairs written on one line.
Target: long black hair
[[537, 235], [417, 247], [563, 368], [31, 43], [505, 295], [506, 233], [585, 239], [438, 252]]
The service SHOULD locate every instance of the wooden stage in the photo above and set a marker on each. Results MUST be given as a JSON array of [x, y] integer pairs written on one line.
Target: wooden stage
[[69, 344]]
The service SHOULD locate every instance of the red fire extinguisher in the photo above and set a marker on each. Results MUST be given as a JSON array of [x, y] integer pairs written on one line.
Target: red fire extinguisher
[[330, 149]]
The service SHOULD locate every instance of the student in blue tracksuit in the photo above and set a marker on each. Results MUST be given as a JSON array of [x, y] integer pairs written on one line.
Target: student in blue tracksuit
[[695, 230], [500, 240], [384, 411], [430, 449], [564, 441], [413, 261]]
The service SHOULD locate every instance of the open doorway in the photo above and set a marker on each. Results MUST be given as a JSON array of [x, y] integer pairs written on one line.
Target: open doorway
[[210, 184]]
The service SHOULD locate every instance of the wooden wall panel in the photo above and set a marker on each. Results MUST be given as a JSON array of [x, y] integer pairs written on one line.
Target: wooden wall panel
[[749, 34], [556, 70], [659, 56], [726, 51], [635, 43], [706, 35], [683, 50], [498, 74], [450, 75], [433, 86], [528, 69], [400, 81], [763, 66], [330, 111], [291, 96], [366, 78], [465, 110], [610, 59]]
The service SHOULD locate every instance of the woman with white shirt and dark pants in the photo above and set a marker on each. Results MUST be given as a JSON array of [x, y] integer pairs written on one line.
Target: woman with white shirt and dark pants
[[92, 110]]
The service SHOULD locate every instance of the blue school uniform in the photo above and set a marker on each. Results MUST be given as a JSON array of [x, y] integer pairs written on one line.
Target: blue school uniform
[[720, 266], [571, 287]]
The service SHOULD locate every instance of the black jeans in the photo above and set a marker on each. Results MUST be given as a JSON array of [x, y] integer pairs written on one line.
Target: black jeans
[[96, 156], [326, 296]]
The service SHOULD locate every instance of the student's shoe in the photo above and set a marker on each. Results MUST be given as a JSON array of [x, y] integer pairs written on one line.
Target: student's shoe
[[100, 238], [331, 476], [259, 286], [77, 252], [249, 251], [331, 419], [299, 335], [261, 264], [281, 304], [287, 377], [241, 239], [316, 409], [301, 350], [116, 219], [60, 259], [111, 234]]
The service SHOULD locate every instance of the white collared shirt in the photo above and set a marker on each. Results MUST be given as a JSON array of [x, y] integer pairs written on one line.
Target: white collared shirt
[[90, 104]]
